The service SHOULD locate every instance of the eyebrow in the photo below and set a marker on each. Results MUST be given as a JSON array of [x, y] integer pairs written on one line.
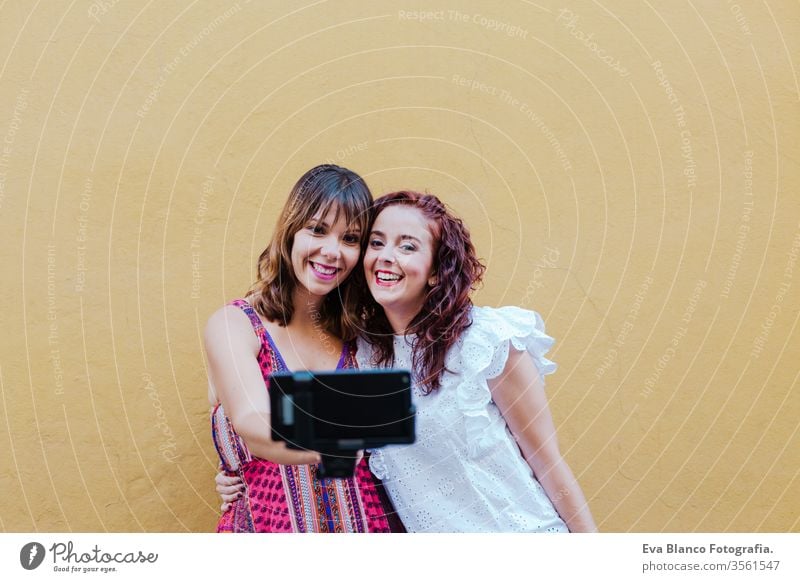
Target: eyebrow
[[402, 237]]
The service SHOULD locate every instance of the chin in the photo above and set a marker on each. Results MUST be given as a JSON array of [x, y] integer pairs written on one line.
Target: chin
[[391, 304], [319, 288], [378, 291]]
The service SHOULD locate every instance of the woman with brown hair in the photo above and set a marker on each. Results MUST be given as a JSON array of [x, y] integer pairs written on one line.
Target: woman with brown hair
[[297, 316]]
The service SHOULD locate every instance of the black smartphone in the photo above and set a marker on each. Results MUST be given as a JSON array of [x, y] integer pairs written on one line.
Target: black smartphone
[[339, 413]]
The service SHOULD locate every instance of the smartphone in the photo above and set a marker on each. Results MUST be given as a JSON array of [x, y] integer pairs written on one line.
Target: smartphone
[[341, 411]]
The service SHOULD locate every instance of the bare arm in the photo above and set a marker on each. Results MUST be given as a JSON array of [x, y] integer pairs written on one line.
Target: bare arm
[[232, 348], [519, 394]]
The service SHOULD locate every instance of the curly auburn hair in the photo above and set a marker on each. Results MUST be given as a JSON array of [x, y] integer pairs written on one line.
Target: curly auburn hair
[[445, 315], [321, 188]]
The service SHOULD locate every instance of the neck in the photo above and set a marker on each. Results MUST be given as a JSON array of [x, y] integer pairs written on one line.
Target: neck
[[400, 321]]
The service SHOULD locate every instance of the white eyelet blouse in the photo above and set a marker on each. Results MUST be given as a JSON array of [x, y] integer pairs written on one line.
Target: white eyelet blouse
[[465, 472]]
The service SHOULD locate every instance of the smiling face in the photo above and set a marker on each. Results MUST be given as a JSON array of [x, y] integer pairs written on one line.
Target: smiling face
[[325, 251], [399, 262]]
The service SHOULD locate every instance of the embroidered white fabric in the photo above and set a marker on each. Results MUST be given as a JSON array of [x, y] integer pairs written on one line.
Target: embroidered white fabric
[[465, 472]]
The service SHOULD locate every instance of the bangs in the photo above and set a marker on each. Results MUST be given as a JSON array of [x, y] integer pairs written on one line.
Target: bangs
[[350, 197]]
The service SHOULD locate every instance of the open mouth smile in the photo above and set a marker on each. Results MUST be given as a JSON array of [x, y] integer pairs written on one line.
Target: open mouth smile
[[387, 278], [324, 272]]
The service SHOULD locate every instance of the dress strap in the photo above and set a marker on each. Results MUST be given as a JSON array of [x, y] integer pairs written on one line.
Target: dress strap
[[245, 306], [267, 343]]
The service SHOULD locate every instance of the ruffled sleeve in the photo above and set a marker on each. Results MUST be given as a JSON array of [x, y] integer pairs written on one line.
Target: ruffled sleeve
[[377, 464], [481, 355]]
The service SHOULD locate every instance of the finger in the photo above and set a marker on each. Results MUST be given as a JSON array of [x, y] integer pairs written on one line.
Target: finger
[[225, 507], [233, 490], [286, 456], [300, 458], [225, 481], [224, 478], [229, 498]]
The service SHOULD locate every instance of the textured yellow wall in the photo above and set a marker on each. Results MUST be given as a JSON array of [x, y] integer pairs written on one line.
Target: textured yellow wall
[[628, 169]]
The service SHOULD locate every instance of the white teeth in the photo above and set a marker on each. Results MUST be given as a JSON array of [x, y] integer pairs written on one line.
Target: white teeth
[[388, 277], [324, 270]]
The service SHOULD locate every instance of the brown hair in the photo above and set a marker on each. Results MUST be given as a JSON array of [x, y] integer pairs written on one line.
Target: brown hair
[[445, 315], [318, 190]]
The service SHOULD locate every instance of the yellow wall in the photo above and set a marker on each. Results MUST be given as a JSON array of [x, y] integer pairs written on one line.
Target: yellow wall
[[647, 206]]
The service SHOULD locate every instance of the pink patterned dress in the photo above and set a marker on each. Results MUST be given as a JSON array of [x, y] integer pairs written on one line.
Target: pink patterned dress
[[291, 498]]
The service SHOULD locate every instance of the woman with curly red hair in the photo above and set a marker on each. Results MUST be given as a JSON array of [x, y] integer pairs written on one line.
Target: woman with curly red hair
[[486, 457]]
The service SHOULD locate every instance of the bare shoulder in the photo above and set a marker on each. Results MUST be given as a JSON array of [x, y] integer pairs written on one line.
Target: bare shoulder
[[228, 325], [518, 375]]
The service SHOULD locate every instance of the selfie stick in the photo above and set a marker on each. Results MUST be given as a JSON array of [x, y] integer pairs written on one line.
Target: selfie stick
[[338, 462]]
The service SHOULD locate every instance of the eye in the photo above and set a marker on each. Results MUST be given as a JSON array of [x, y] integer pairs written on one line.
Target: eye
[[408, 247], [350, 239], [316, 228], [375, 243]]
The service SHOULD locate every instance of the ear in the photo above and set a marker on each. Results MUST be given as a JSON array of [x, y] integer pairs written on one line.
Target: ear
[[432, 281]]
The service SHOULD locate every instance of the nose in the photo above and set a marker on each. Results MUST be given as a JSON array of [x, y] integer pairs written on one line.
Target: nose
[[386, 255], [331, 249]]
